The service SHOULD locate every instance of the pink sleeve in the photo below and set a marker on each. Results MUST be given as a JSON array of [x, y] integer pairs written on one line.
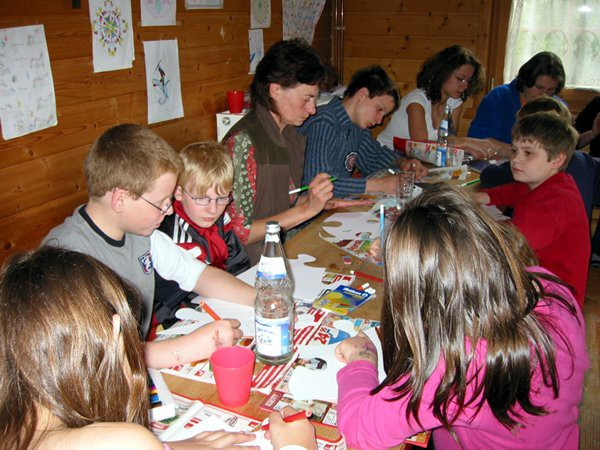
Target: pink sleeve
[[370, 421]]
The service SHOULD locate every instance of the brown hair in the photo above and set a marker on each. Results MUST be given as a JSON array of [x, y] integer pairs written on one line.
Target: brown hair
[[129, 157], [206, 165], [451, 276], [557, 136], [545, 104], [58, 349], [439, 67]]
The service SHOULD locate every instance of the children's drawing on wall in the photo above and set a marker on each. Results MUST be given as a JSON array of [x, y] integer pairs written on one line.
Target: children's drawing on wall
[[158, 12], [256, 47], [300, 18], [163, 83], [27, 101], [112, 40], [260, 13]]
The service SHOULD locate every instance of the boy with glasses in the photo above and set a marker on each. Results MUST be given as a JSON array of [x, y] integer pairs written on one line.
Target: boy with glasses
[[199, 223], [131, 175]]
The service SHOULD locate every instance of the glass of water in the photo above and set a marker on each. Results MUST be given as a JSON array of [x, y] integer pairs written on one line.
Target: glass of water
[[405, 183]]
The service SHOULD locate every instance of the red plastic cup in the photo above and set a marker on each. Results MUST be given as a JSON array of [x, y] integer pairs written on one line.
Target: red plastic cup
[[233, 368], [235, 99]]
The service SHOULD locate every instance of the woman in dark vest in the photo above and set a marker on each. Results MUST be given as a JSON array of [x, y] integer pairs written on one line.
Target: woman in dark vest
[[268, 153]]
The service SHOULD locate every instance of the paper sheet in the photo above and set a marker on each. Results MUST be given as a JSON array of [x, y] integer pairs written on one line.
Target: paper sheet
[[256, 47], [27, 101], [158, 12], [260, 13], [112, 39], [300, 17], [163, 83]]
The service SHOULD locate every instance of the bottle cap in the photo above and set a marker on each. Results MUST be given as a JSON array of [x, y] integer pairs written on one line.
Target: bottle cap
[[273, 226]]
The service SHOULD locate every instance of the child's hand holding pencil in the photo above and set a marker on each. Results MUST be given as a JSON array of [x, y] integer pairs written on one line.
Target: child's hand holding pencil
[[290, 427]]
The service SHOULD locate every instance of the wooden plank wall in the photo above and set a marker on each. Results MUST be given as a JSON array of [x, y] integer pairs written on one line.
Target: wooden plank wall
[[400, 34], [41, 176]]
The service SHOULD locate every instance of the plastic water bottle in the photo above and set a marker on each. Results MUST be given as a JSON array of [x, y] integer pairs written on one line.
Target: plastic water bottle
[[443, 149], [274, 304]]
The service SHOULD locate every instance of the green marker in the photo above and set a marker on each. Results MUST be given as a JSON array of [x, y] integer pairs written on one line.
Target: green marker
[[469, 183], [305, 188]]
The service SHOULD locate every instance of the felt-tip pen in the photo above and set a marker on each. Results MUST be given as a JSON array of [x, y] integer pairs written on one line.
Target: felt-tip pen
[[305, 188]]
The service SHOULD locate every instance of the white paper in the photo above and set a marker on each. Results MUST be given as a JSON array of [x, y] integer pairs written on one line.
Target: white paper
[[112, 34], [300, 18], [163, 83], [256, 48], [307, 279], [27, 101], [260, 13], [158, 12], [310, 384], [229, 310]]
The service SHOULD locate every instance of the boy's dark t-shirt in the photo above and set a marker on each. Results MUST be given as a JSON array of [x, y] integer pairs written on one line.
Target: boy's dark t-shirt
[[217, 245], [553, 219]]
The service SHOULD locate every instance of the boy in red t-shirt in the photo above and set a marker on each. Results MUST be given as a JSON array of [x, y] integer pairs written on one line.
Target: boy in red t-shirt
[[547, 206]]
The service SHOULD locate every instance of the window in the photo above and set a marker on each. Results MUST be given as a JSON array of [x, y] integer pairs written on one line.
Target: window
[[568, 28]]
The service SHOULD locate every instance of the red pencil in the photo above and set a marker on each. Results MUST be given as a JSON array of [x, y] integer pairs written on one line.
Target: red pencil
[[367, 276], [291, 418], [208, 310]]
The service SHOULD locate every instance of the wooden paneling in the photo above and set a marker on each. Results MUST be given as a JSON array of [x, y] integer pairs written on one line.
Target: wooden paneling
[[41, 174], [400, 35]]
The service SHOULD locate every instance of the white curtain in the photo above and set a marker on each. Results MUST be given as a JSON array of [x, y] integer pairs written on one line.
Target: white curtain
[[569, 28]]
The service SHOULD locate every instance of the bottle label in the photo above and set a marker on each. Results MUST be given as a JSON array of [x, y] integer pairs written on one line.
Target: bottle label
[[273, 336], [440, 157], [271, 268], [272, 237]]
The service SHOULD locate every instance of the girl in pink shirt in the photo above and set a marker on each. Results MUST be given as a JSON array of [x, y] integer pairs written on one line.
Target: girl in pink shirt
[[480, 348]]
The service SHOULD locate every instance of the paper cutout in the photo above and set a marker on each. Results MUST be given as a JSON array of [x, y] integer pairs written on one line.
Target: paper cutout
[[354, 234], [307, 279], [27, 101], [256, 47], [230, 310], [163, 83], [310, 384], [260, 13], [112, 40], [158, 12]]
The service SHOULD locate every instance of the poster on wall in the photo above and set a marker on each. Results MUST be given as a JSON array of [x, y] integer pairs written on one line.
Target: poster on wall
[[163, 83], [27, 101], [257, 48], [260, 13], [203, 4], [112, 34], [158, 12], [300, 18]]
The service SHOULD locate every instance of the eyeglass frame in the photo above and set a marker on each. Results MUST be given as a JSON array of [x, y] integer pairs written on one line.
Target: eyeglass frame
[[165, 210], [209, 199], [462, 80]]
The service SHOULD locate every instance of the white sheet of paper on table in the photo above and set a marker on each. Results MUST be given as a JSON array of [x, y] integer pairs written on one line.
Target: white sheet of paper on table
[[307, 279], [352, 225], [308, 384], [229, 310]]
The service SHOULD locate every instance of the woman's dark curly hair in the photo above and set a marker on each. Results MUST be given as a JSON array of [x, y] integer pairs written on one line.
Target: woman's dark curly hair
[[436, 70]]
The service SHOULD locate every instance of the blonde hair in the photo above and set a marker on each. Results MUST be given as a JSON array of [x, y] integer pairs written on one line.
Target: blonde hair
[[129, 157], [205, 165], [58, 349]]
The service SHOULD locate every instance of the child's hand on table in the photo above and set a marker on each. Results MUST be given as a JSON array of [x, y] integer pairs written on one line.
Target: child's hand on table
[[375, 250], [216, 439], [300, 432], [357, 348]]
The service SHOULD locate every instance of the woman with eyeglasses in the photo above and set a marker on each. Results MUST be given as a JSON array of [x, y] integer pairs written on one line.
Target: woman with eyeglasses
[[199, 222], [448, 77], [543, 74]]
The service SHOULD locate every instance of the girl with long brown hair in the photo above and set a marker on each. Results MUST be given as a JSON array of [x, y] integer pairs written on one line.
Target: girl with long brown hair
[[476, 346]]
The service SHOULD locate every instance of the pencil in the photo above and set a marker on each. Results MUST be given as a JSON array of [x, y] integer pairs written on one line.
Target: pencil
[[208, 310], [469, 183], [381, 223], [367, 276], [291, 418], [305, 188]]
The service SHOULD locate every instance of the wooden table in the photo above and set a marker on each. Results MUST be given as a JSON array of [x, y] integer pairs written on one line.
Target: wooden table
[[326, 255]]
